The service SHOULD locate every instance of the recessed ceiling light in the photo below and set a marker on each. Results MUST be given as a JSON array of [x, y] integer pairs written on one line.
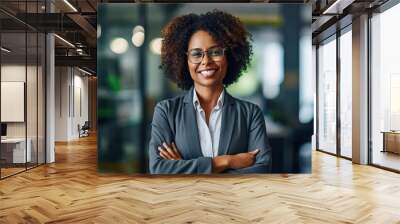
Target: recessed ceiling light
[[119, 45], [138, 36], [155, 45], [138, 39]]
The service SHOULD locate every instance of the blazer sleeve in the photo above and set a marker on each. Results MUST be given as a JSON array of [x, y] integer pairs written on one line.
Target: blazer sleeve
[[162, 132], [257, 140]]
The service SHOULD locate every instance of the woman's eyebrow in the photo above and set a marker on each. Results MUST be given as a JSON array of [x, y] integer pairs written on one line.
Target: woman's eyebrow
[[213, 46], [198, 48]]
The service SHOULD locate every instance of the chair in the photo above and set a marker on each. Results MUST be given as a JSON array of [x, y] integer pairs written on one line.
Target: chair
[[84, 130]]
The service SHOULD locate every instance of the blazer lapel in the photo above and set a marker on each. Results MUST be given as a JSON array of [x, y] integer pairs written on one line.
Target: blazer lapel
[[190, 122], [227, 124]]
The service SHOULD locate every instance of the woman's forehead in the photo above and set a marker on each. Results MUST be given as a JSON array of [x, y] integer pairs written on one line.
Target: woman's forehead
[[201, 39]]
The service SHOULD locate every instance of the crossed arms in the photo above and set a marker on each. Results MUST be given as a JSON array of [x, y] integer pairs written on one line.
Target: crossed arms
[[165, 157], [219, 163]]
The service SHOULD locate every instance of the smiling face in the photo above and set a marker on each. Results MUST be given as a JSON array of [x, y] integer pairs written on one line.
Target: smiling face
[[207, 73]]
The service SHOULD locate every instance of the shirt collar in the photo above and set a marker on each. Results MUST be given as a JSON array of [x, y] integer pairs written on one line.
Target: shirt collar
[[220, 102]]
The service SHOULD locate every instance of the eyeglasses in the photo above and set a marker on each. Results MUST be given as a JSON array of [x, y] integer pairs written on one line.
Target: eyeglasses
[[195, 56]]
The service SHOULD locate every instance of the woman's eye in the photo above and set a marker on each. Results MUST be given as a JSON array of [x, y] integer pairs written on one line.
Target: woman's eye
[[216, 52], [196, 54]]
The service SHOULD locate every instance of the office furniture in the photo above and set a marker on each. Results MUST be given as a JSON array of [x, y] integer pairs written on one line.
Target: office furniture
[[391, 141], [13, 150], [84, 130]]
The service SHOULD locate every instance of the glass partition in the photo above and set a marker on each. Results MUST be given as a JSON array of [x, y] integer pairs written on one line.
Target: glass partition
[[327, 96], [346, 93], [13, 107], [22, 90]]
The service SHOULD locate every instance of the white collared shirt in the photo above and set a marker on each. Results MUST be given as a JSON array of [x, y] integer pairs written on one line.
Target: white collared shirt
[[209, 134]]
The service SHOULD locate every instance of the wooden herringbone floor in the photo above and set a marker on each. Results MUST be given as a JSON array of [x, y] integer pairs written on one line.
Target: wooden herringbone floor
[[70, 191]]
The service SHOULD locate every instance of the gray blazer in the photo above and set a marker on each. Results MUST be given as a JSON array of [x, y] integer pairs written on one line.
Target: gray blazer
[[242, 130]]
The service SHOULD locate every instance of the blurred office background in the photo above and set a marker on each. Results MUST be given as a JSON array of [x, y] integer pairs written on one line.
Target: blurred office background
[[130, 83]]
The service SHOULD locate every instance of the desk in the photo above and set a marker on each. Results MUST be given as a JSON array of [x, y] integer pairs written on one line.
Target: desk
[[391, 141], [16, 147]]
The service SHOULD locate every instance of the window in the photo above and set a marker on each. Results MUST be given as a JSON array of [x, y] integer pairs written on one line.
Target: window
[[327, 96], [346, 93], [385, 89]]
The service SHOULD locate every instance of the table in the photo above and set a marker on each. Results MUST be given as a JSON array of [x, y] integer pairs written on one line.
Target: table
[[391, 141]]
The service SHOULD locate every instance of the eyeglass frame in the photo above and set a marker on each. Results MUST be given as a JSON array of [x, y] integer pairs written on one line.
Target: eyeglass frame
[[224, 49]]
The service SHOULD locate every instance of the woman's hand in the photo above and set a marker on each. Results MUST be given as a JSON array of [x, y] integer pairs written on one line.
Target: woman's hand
[[169, 151], [243, 160]]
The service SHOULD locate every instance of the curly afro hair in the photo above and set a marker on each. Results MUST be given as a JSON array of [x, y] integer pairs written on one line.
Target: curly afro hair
[[227, 30]]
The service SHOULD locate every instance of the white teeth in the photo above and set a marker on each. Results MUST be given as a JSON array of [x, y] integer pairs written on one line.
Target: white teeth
[[207, 73]]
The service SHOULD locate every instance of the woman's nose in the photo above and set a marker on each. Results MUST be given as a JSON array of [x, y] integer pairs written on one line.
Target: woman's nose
[[205, 59]]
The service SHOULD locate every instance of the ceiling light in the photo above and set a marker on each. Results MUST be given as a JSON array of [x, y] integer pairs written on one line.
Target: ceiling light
[[155, 45], [79, 51], [84, 71], [138, 39], [64, 40], [119, 45], [337, 7], [70, 5], [138, 28], [98, 31], [138, 36], [5, 50], [331, 7]]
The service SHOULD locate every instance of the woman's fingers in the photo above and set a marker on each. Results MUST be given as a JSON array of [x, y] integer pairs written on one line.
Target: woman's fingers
[[164, 154], [167, 152], [176, 150], [170, 151], [254, 152]]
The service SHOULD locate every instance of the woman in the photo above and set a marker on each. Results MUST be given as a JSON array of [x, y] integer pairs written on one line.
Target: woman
[[206, 130]]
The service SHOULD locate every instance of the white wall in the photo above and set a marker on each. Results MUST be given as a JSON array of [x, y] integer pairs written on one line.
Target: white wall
[[62, 81], [71, 93]]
